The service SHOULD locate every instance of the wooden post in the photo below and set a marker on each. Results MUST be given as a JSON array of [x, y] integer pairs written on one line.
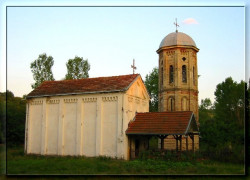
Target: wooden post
[[193, 143], [176, 142], [162, 143], [148, 142], [162, 137], [192, 137], [180, 142], [129, 139]]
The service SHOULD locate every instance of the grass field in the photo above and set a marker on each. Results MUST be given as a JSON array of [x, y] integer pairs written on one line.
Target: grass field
[[18, 163]]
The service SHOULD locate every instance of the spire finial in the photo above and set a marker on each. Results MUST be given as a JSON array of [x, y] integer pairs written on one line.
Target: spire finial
[[176, 24], [133, 66]]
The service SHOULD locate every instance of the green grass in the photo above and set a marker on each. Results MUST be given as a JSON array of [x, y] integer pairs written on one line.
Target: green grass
[[19, 163]]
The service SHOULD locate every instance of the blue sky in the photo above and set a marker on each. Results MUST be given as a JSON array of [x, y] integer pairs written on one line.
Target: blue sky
[[111, 37]]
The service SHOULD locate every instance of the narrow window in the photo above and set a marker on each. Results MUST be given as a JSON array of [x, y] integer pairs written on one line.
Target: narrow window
[[193, 76], [162, 76], [171, 74], [171, 104], [184, 74]]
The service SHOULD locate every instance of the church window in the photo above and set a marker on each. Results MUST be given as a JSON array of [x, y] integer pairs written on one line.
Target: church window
[[184, 59], [184, 74], [171, 101], [162, 76], [171, 104], [171, 74], [193, 76]]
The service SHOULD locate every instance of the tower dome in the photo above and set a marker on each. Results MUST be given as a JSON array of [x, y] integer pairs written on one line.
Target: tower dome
[[177, 38]]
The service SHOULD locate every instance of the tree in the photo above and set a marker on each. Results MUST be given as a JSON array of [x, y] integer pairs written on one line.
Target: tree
[[223, 132], [230, 102], [151, 82], [16, 114], [2, 117], [41, 69], [206, 110], [77, 68]]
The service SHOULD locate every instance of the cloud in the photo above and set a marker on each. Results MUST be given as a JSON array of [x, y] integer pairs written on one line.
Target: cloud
[[190, 21]]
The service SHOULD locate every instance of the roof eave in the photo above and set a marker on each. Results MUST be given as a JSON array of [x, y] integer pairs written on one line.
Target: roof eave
[[65, 94], [155, 133], [177, 46], [189, 123]]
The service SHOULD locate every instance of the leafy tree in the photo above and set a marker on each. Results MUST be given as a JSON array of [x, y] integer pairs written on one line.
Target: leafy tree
[[223, 131], [77, 68], [16, 114], [230, 102], [2, 117], [151, 82], [206, 110], [41, 69]]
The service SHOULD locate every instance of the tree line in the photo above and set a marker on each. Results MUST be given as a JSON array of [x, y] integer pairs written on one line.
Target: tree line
[[41, 68]]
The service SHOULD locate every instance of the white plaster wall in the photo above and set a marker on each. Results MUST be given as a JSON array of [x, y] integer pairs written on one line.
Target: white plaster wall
[[136, 99], [89, 128], [69, 129], [89, 124], [109, 128], [52, 128], [35, 131]]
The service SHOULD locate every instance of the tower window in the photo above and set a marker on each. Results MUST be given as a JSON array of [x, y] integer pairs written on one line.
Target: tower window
[[193, 76], [184, 59], [184, 74], [162, 76], [171, 74], [171, 104]]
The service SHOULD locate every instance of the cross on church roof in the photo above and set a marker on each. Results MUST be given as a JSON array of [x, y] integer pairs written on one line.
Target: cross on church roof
[[176, 24], [133, 66]]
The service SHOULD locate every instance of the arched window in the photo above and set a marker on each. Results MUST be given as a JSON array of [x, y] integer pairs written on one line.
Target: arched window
[[193, 76], [171, 104], [184, 74], [162, 76], [171, 74]]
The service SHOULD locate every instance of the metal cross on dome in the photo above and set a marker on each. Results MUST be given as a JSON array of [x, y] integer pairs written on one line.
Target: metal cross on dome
[[176, 24], [133, 66]]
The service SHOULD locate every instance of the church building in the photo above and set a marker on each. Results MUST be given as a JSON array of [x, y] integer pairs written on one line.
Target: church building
[[109, 116], [84, 117]]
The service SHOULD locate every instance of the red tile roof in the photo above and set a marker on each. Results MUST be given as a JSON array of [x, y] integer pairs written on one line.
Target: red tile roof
[[81, 86], [162, 123]]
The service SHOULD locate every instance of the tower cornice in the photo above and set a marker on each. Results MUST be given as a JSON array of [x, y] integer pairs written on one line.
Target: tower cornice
[[178, 89], [178, 46]]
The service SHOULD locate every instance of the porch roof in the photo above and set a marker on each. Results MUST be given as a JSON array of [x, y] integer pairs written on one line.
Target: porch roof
[[163, 123]]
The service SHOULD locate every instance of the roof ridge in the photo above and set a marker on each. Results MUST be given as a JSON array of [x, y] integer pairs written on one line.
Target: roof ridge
[[91, 78], [86, 85]]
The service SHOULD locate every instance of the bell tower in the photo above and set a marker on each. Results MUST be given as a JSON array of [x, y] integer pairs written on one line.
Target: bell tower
[[178, 74], [178, 79]]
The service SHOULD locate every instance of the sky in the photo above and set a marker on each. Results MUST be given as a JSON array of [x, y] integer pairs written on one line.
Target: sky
[[111, 37]]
